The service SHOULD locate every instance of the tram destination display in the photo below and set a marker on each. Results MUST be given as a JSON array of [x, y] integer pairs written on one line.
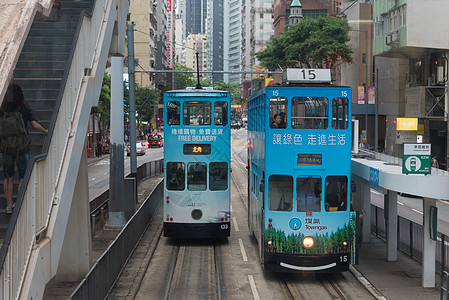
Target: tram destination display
[[197, 149]]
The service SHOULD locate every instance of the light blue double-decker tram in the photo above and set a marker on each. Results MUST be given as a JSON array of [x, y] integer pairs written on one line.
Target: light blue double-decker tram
[[299, 160], [197, 163]]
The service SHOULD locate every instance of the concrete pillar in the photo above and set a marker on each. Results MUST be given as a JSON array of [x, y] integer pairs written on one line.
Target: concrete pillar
[[74, 262], [392, 226], [429, 247], [366, 206]]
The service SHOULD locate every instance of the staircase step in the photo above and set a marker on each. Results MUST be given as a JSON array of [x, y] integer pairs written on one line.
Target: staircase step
[[47, 48], [43, 114], [42, 56], [52, 32], [77, 4], [38, 83], [40, 94], [41, 103], [29, 65], [36, 73], [49, 40]]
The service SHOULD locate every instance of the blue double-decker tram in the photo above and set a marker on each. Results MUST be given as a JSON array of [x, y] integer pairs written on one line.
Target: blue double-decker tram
[[299, 160], [197, 163]]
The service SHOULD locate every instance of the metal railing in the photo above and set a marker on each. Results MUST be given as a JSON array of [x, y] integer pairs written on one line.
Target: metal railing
[[104, 273]]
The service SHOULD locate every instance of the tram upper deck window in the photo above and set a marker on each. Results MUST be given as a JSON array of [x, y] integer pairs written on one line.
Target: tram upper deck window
[[308, 194], [278, 112], [340, 113], [280, 192], [176, 176], [173, 113], [221, 113], [310, 112], [196, 176], [197, 113], [218, 176], [336, 193]]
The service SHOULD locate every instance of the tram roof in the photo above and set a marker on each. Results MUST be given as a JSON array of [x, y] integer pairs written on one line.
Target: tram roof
[[290, 85], [192, 90]]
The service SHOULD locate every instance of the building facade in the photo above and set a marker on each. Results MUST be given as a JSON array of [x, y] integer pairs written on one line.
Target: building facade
[[232, 40], [215, 36], [196, 43]]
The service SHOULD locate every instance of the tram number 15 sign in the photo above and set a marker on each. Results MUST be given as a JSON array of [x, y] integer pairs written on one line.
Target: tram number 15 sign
[[416, 159], [291, 75]]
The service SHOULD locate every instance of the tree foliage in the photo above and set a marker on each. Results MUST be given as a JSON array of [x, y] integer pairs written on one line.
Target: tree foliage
[[312, 43], [184, 80], [234, 88]]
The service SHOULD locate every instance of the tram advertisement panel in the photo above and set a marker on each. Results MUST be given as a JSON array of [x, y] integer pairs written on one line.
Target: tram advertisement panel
[[330, 234]]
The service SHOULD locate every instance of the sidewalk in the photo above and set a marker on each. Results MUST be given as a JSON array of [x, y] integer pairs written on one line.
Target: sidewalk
[[394, 280]]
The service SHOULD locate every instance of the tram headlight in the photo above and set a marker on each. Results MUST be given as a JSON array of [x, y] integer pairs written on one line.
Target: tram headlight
[[308, 242]]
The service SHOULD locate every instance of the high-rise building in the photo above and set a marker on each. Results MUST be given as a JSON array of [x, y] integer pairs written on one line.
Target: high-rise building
[[232, 40], [143, 14], [161, 45], [257, 18], [179, 55], [215, 38], [194, 14], [196, 43]]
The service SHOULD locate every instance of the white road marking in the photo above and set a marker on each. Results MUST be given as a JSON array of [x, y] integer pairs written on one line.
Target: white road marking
[[235, 224], [415, 210], [253, 287], [105, 173], [93, 178], [400, 203], [242, 249], [231, 207]]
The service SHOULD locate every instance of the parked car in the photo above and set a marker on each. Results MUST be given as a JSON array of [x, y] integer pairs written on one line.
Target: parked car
[[155, 141], [140, 149], [234, 124]]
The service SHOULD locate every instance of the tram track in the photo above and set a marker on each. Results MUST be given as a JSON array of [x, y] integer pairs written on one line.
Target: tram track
[[325, 287], [193, 272]]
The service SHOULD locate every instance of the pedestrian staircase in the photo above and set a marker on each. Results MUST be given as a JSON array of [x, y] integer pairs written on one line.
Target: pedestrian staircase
[[40, 72], [60, 69]]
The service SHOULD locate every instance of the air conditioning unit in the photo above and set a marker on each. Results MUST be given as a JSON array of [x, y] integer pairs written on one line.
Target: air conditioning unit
[[413, 78]]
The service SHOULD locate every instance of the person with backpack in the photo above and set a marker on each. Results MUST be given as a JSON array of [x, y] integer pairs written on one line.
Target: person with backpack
[[15, 141]]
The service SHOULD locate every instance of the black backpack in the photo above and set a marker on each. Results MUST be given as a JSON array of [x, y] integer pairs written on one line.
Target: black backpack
[[14, 135]]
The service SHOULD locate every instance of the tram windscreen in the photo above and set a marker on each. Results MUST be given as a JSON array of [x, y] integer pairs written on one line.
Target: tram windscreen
[[340, 113], [176, 176], [218, 176], [336, 193], [278, 112], [221, 113], [280, 192], [308, 194], [310, 112], [196, 176], [197, 113], [173, 113]]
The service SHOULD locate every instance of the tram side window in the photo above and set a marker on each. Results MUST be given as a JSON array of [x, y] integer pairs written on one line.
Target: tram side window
[[173, 113], [197, 113], [309, 112], [336, 193], [308, 194], [176, 176], [218, 176], [340, 113], [280, 192], [221, 113], [278, 112], [196, 176]]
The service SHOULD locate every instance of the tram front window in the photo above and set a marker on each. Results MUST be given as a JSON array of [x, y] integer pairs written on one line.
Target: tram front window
[[221, 113], [176, 176], [280, 192], [196, 176], [309, 112], [308, 194], [278, 112], [197, 113], [173, 113], [336, 193], [340, 113], [218, 176]]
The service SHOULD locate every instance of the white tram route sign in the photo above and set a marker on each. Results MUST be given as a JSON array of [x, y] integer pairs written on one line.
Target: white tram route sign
[[416, 159], [291, 75]]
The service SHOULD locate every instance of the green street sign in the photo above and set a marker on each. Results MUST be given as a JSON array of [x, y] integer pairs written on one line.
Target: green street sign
[[416, 159]]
